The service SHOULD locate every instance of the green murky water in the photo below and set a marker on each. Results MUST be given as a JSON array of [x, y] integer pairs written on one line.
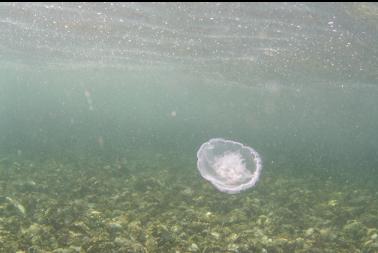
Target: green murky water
[[103, 107]]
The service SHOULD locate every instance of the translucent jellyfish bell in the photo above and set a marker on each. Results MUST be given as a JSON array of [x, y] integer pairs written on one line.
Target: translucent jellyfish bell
[[230, 166]]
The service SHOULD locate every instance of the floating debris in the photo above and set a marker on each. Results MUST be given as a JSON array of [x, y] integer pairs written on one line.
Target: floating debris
[[20, 208]]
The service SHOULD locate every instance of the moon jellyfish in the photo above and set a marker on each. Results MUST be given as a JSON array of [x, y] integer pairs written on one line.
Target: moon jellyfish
[[230, 166]]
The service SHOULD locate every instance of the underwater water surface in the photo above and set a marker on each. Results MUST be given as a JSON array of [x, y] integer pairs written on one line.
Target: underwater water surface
[[103, 107]]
